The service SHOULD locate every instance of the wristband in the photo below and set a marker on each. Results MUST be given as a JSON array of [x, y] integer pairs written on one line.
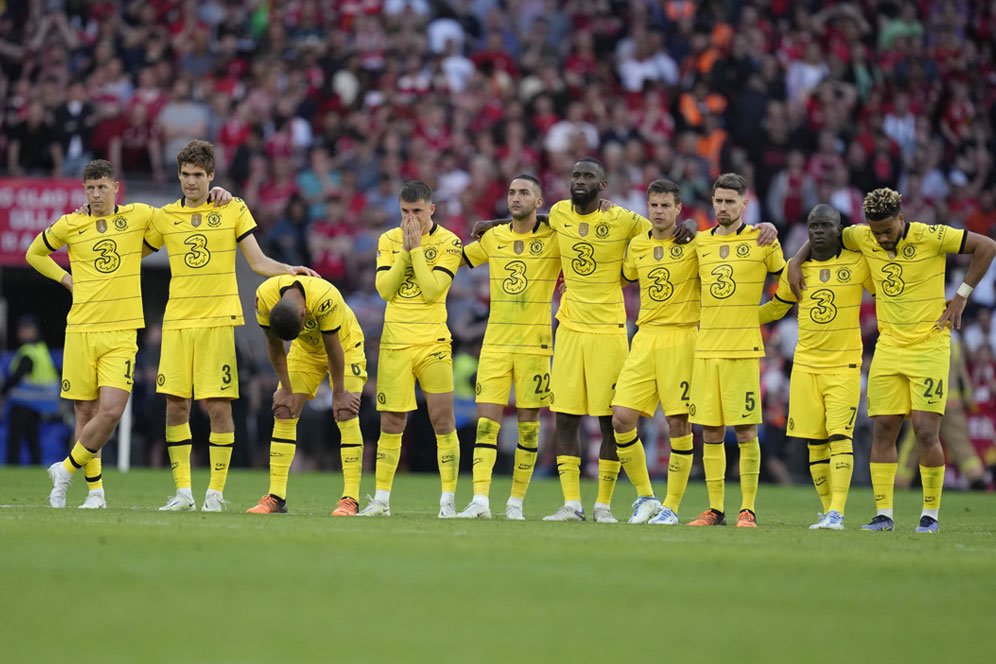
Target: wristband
[[965, 290]]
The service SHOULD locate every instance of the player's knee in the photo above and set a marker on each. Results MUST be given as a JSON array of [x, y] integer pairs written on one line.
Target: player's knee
[[679, 426], [621, 423], [111, 411]]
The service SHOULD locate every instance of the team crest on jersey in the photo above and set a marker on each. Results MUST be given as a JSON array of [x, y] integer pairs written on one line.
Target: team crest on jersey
[[844, 274], [724, 251], [120, 223], [66, 384], [430, 253], [195, 220], [518, 247], [909, 251], [658, 253], [602, 231], [824, 275], [536, 247], [743, 250], [791, 424], [676, 252], [214, 220], [101, 226], [583, 228]]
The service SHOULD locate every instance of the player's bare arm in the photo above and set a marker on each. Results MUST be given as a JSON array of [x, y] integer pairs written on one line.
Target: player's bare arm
[[344, 404], [982, 249], [265, 266]]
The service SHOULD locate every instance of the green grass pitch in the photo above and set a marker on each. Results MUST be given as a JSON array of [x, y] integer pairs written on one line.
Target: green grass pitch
[[131, 584]]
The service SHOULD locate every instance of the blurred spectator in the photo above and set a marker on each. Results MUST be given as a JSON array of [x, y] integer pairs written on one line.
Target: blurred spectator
[[75, 119], [34, 147], [31, 390], [181, 120]]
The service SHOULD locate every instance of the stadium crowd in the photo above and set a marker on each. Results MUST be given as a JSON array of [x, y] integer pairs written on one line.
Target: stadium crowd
[[321, 109]]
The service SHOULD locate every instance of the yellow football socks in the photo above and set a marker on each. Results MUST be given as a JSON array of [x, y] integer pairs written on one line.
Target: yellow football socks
[[678, 469], [932, 479], [178, 443], [525, 458], [750, 470], [283, 445], [388, 454], [448, 458], [714, 463], [485, 454], [841, 469], [220, 456], [634, 460], [351, 454], [883, 476], [608, 473], [819, 469], [569, 468], [78, 457], [93, 475]]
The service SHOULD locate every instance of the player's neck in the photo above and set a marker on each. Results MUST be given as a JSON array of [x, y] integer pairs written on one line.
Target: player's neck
[[586, 209], [731, 229], [662, 234], [825, 254], [524, 225], [194, 202]]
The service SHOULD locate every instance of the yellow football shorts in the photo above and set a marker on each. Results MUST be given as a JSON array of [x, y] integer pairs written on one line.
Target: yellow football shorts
[[92, 360], [902, 380], [725, 392], [658, 370], [498, 372], [824, 404], [585, 369], [308, 370], [399, 368], [199, 362]]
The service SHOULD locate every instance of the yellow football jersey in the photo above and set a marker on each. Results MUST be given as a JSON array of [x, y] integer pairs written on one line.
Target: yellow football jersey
[[410, 319], [105, 254], [829, 314], [909, 282], [668, 273], [733, 269], [325, 311], [592, 248], [524, 270], [202, 243]]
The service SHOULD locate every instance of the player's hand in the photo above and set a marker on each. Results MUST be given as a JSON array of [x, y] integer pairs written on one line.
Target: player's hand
[[604, 204], [414, 234], [563, 287], [283, 400], [767, 234], [220, 196], [67, 281], [482, 227], [952, 313], [345, 405], [303, 270], [795, 279], [83, 209], [685, 230]]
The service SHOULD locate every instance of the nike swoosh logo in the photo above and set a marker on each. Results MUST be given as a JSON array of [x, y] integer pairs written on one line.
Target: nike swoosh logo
[[567, 225], [935, 401], [502, 246], [225, 387], [177, 223], [82, 230]]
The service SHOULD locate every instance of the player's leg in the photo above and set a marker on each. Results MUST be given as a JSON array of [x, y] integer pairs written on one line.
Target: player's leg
[[93, 470], [532, 392], [569, 403], [841, 395], [907, 459], [604, 357], [216, 381], [395, 398], [525, 461], [750, 469], [888, 403], [283, 446], [434, 371], [351, 446], [926, 427], [675, 356], [706, 409], [494, 383], [679, 467], [807, 421], [176, 382]]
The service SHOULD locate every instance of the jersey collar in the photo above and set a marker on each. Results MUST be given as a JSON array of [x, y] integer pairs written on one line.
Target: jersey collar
[[434, 227], [90, 214], [296, 284], [743, 226]]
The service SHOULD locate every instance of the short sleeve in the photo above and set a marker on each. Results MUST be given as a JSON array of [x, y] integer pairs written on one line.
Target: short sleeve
[[54, 236], [556, 216], [153, 232], [263, 305], [849, 238], [452, 254], [475, 253], [245, 224], [329, 311], [640, 224], [629, 266], [949, 240], [784, 291], [775, 259]]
